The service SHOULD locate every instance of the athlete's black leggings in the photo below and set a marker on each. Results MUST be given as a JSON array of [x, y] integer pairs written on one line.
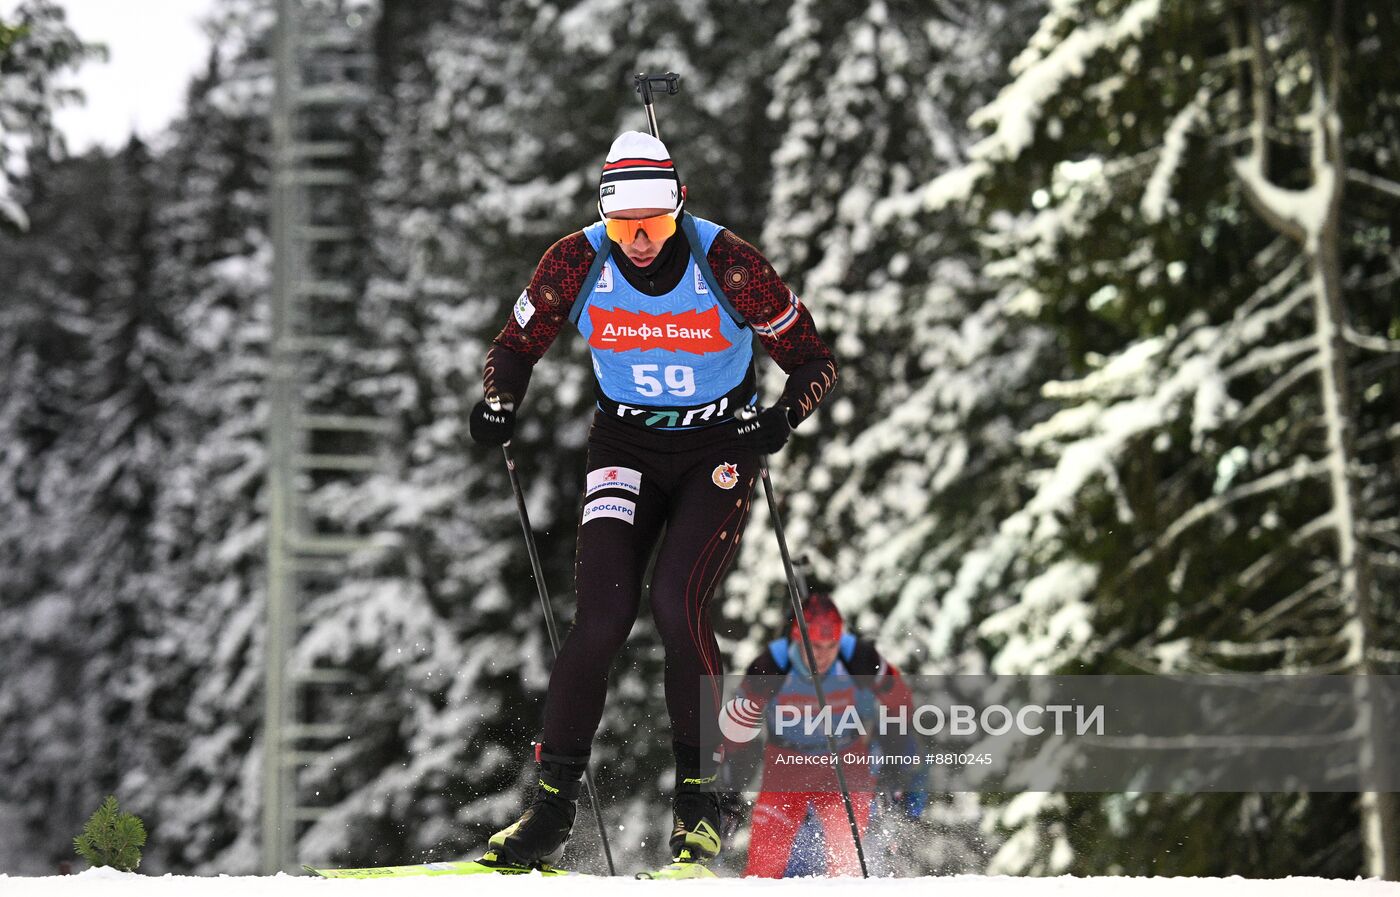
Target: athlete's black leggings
[[696, 485]]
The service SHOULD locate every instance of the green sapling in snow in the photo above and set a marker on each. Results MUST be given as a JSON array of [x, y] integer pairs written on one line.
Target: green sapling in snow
[[112, 838]]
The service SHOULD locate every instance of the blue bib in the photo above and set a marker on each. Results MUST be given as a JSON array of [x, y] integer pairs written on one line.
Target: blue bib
[[797, 691], [673, 361]]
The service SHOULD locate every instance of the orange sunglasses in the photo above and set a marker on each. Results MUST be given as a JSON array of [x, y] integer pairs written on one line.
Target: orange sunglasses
[[658, 228]]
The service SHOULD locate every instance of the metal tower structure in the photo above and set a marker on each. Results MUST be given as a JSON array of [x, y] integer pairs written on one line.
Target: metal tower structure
[[315, 435]]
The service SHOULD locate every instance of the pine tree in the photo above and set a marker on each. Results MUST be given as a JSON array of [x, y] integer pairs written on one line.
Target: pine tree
[[89, 447], [36, 48], [903, 472], [112, 838], [196, 775], [894, 288], [1202, 506], [41, 332]]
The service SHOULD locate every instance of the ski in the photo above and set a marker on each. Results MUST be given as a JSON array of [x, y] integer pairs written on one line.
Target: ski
[[676, 871], [462, 867], [671, 871]]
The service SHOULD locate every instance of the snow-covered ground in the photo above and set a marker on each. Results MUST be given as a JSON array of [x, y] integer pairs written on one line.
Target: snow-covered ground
[[105, 883]]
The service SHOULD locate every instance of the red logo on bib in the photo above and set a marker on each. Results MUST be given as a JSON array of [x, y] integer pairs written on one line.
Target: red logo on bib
[[618, 330]]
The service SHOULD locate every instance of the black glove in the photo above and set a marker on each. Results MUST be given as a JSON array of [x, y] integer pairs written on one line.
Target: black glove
[[733, 810], [906, 785], [767, 431], [492, 424]]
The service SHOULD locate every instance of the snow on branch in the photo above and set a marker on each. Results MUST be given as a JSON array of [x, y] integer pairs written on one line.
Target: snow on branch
[[1061, 13], [1302, 214], [1385, 538], [1299, 471], [1093, 454], [1165, 658], [1278, 388], [1372, 343], [1135, 370], [1020, 105], [1250, 322], [1289, 646], [1273, 287], [1298, 213], [951, 187], [1051, 603], [1374, 439], [1271, 357], [1384, 655], [1041, 70], [1129, 368], [1255, 574], [1116, 425], [1374, 182], [10, 211], [1262, 623], [1157, 195]]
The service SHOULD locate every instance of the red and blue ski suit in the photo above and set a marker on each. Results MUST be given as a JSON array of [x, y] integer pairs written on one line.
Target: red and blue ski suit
[[792, 788]]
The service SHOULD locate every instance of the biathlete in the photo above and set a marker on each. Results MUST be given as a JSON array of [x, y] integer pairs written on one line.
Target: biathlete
[[668, 304], [798, 796]]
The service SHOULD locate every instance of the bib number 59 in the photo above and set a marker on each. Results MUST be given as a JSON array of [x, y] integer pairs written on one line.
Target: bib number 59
[[679, 379]]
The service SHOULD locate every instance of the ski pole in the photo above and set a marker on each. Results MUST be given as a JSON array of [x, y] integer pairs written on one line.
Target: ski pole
[[671, 81], [794, 594], [553, 632]]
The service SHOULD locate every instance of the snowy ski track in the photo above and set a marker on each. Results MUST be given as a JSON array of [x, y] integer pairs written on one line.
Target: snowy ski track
[[106, 883]]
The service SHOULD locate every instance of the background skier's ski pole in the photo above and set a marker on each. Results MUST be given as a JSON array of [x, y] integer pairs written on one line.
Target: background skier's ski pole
[[796, 594], [553, 632]]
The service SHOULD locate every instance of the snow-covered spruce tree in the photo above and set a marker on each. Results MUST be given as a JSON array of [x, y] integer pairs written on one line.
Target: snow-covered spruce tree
[[423, 624], [197, 784], [85, 399], [36, 48], [116, 459], [1189, 193], [933, 370], [914, 459], [42, 334], [495, 120]]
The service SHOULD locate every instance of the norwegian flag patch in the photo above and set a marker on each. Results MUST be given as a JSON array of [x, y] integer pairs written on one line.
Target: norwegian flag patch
[[783, 322]]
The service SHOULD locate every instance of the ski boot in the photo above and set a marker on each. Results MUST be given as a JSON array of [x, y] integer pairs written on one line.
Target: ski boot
[[537, 838], [695, 816], [695, 836], [695, 810]]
